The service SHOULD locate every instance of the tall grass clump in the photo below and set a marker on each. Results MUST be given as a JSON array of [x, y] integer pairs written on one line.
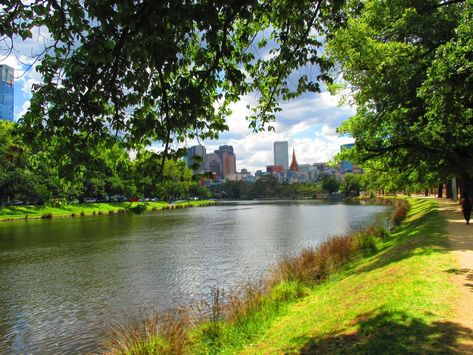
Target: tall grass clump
[[401, 208], [158, 334], [314, 265]]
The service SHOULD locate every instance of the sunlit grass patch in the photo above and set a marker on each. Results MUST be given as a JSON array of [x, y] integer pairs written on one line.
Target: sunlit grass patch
[[88, 209]]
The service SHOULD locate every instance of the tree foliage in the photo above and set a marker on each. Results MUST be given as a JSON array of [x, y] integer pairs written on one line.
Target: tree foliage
[[164, 70], [409, 66], [35, 175]]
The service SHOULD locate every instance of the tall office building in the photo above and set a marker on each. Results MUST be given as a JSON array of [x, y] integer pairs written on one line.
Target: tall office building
[[346, 166], [227, 160], [281, 154], [6, 93], [193, 152], [212, 164]]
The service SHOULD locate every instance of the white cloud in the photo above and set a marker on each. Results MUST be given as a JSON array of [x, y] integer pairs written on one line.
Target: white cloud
[[308, 124], [24, 108]]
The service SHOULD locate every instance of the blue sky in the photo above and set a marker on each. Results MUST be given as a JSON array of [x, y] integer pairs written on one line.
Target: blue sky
[[308, 123]]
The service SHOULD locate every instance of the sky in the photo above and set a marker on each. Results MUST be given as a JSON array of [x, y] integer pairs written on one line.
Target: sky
[[308, 122]]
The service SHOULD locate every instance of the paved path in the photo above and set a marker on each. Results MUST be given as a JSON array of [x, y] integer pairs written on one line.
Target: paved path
[[461, 243]]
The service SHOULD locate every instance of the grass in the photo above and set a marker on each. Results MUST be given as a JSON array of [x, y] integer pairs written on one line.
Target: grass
[[367, 292], [400, 300], [47, 212]]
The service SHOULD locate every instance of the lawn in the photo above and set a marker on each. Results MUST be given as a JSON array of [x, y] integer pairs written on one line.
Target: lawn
[[86, 209]]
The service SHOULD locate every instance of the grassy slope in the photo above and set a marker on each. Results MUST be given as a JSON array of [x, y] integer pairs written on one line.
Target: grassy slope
[[19, 212], [397, 301]]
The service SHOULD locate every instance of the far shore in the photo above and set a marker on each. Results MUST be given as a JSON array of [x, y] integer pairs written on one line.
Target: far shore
[[17, 213]]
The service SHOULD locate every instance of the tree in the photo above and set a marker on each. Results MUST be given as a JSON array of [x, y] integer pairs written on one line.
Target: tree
[[329, 183], [164, 70], [351, 184], [408, 64]]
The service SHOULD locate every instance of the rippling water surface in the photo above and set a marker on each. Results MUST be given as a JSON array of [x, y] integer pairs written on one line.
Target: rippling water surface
[[64, 282]]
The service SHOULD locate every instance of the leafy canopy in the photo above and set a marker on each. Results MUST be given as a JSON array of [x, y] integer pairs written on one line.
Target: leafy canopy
[[164, 70], [409, 66]]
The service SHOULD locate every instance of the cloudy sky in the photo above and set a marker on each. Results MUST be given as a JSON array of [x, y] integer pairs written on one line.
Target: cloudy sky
[[308, 123]]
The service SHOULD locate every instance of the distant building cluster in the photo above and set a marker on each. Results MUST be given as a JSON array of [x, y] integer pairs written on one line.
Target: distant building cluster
[[6, 92], [294, 172], [222, 165]]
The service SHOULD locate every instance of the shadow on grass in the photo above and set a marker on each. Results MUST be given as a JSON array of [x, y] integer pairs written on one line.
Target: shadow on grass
[[389, 333], [425, 235]]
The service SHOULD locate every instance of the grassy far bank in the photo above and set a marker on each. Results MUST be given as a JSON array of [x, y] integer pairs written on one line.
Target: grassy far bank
[[87, 209], [363, 293]]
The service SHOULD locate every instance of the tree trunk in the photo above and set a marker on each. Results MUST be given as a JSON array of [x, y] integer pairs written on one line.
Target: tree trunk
[[467, 185], [440, 191], [426, 192], [449, 192]]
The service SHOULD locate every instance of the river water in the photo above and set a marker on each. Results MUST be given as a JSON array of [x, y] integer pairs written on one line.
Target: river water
[[65, 282]]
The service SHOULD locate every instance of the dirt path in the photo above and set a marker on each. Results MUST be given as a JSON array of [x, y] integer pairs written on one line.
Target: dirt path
[[461, 243]]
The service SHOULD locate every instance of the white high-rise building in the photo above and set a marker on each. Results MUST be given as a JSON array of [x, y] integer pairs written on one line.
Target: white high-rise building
[[281, 154]]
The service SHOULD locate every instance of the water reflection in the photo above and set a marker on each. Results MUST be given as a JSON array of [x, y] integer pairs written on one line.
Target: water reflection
[[63, 282]]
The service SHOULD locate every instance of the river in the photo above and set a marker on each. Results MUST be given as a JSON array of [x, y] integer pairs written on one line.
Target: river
[[64, 282]]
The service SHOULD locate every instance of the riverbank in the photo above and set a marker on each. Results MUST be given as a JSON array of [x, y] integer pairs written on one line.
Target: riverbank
[[397, 295], [15, 213]]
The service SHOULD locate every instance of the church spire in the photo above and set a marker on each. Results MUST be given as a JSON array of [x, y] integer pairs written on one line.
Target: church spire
[[294, 166]]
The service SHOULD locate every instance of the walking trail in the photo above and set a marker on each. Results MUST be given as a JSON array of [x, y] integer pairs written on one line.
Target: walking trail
[[461, 244]]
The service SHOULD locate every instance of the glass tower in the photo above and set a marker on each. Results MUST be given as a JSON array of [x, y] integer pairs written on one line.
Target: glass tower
[[281, 154], [6, 93], [347, 166]]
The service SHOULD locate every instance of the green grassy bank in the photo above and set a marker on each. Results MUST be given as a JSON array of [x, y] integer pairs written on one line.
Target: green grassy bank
[[397, 301], [12, 213], [364, 293]]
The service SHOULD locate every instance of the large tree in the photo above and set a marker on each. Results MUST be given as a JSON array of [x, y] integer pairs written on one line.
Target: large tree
[[409, 65], [164, 70]]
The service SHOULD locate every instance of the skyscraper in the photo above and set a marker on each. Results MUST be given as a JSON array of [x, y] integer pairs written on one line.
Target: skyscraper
[[227, 160], [212, 163], [281, 155], [346, 166], [196, 151], [6, 93]]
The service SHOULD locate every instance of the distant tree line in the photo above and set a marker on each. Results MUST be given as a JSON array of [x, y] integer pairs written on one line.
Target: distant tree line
[[268, 186], [43, 174]]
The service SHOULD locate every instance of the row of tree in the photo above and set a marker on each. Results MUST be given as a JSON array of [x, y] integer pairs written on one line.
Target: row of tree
[[269, 186], [47, 173]]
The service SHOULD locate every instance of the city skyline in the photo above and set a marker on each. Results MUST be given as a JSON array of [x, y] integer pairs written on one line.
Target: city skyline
[[218, 163]]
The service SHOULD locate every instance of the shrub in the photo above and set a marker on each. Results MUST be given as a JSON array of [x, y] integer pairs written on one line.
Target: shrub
[[47, 216]]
